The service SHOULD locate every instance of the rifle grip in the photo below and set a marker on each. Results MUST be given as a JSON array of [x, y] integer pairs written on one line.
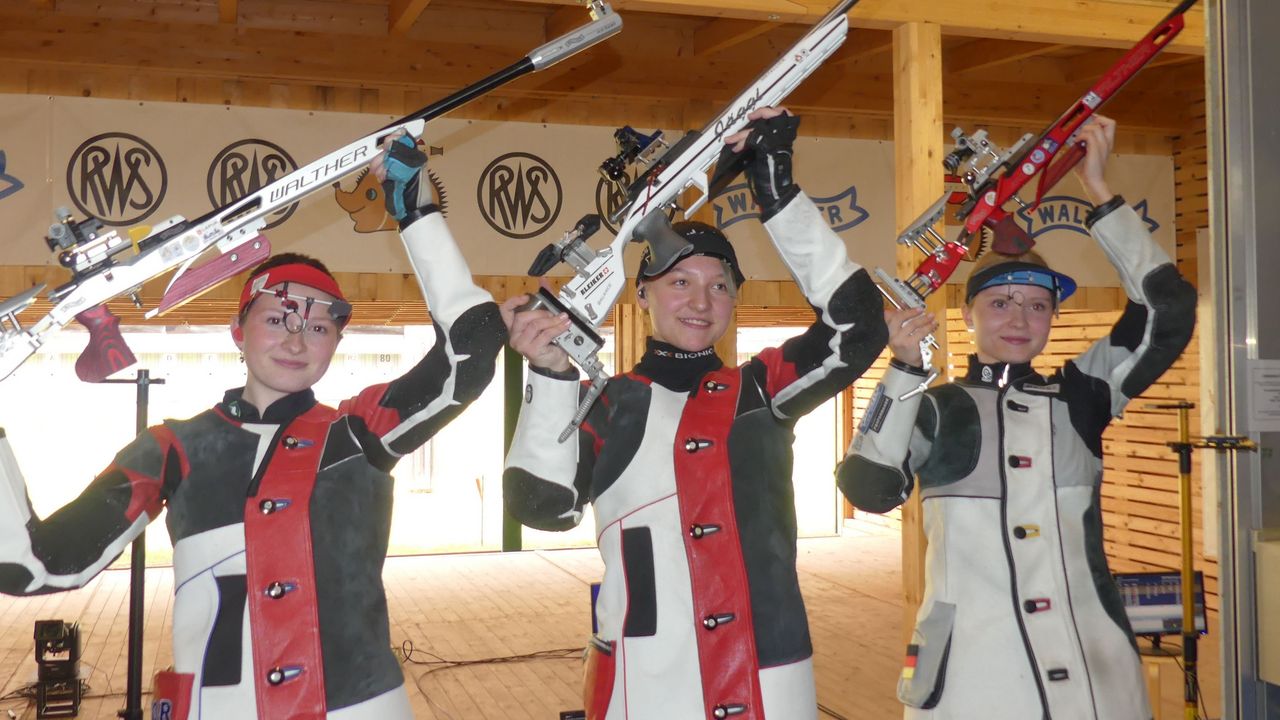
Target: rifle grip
[[106, 352]]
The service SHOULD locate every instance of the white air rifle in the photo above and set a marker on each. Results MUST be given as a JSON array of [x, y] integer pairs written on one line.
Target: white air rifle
[[600, 278], [103, 268]]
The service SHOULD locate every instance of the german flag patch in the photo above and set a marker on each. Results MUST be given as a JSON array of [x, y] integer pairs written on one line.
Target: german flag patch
[[909, 664]]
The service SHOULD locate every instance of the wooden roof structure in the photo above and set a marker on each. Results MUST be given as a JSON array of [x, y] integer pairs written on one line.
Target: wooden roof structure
[[1017, 64]]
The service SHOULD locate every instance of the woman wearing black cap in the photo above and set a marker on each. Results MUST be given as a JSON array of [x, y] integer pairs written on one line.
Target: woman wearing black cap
[[1020, 617], [687, 464]]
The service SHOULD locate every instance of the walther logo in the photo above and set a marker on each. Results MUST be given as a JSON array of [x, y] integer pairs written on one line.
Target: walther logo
[[117, 177], [245, 167], [325, 172], [8, 183], [1063, 212], [519, 195], [735, 204]]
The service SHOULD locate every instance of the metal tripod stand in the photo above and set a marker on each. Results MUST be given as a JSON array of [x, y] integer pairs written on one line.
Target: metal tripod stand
[[1183, 447], [137, 566]]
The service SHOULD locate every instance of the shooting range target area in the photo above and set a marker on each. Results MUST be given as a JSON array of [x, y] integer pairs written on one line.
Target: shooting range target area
[[248, 125]]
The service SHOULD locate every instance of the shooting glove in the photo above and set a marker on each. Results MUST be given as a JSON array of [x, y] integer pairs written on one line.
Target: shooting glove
[[768, 168], [409, 194]]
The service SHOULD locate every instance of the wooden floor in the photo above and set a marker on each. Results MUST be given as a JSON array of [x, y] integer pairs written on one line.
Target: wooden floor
[[466, 607]]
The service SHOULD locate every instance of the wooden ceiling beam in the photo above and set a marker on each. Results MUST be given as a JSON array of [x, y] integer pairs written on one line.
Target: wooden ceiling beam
[[565, 19], [402, 14], [861, 44], [983, 54], [1098, 23], [228, 10], [724, 33]]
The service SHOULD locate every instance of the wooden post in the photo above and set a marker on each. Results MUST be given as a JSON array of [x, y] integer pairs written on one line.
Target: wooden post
[[917, 149], [630, 329]]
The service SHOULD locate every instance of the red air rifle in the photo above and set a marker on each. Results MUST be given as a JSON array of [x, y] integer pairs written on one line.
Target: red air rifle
[[989, 177]]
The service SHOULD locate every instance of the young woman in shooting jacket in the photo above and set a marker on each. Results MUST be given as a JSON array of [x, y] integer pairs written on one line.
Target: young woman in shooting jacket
[[279, 507], [687, 465], [1020, 616]]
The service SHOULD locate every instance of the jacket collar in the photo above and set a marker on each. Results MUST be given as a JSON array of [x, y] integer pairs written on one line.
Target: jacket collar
[[280, 412], [997, 374], [674, 368]]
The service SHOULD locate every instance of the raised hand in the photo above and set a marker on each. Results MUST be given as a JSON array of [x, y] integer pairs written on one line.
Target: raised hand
[[1099, 137], [531, 332], [907, 327]]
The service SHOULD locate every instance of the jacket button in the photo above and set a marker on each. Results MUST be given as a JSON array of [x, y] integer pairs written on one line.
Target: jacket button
[[713, 386], [1019, 461], [711, 622], [277, 589], [277, 675], [1036, 605], [695, 444], [273, 505], [727, 710], [697, 532], [1020, 532], [291, 442]]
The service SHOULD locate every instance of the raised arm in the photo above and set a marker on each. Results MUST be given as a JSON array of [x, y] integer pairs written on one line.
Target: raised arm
[[546, 483], [895, 437], [402, 415], [71, 546], [1158, 320], [848, 331]]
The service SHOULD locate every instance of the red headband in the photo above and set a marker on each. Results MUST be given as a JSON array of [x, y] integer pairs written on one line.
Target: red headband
[[300, 273]]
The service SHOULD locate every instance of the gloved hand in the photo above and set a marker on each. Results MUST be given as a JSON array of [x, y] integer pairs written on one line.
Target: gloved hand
[[408, 193], [768, 168]]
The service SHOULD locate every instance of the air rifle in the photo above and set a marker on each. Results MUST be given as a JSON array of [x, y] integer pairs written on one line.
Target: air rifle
[[106, 264], [983, 178], [599, 276]]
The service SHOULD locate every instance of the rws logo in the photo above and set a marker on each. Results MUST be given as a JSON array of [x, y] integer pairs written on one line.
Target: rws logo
[[117, 177], [245, 167], [841, 211], [519, 195], [1064, 212]]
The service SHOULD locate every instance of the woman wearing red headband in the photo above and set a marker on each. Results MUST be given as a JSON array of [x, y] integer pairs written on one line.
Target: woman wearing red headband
[[1020, 617], [279, 507]]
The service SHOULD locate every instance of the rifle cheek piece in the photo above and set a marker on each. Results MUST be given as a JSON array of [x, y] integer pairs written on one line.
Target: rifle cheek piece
[[665, 246], [682, 240]]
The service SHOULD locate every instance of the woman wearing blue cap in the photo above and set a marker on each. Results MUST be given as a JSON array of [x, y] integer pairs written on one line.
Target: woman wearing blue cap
[[1020, 617]]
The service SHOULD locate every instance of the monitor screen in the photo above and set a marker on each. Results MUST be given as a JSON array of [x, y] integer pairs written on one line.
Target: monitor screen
[[1153, 602]]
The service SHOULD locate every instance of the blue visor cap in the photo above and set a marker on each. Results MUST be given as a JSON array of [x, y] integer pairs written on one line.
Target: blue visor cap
[[1019, 273]]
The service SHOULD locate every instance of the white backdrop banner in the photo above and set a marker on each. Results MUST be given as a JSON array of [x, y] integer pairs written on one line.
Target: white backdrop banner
[[508, 188]]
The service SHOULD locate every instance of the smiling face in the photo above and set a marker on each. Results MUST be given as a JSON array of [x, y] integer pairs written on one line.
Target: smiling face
[[279, 362], [1011, 323], [691, 305]]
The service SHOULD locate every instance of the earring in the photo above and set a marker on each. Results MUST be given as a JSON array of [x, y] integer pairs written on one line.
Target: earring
[[640, 292]]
